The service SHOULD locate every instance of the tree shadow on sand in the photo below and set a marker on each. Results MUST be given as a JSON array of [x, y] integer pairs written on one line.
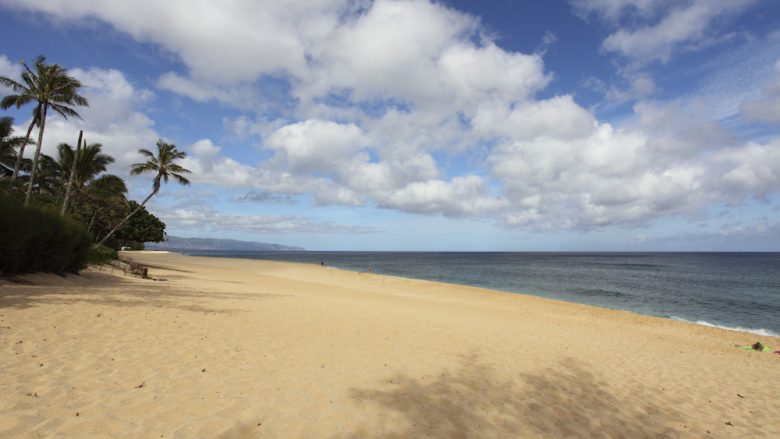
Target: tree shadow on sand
[[566, 401], [104, 289]]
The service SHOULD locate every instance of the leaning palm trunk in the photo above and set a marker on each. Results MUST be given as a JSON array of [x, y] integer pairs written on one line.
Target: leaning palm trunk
[[122, 223], [72, 175], [21, 150], [37, 153]]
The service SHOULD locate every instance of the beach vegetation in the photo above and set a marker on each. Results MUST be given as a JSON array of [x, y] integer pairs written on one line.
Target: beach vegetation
[[102, 255], [92, 204], [9, 145], [140, 228], [34, 238], [164, 166], [49, 87]]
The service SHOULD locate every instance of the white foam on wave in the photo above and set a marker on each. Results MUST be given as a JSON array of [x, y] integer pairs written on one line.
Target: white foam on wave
[[759, 331]]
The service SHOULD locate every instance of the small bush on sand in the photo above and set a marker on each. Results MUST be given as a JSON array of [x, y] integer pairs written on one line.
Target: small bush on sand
[[102, 255]]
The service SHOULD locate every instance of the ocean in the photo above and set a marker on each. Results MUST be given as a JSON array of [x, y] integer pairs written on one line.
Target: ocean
[[739, 291]]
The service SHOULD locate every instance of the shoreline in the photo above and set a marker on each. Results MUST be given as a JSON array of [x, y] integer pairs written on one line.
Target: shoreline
[[763, 332], [217, 347]]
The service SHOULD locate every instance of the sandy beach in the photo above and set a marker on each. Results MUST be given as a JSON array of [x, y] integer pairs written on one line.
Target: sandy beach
[[240, 348]]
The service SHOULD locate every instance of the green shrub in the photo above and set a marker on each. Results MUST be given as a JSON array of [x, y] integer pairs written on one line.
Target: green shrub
[[33, 239], [102, 255]]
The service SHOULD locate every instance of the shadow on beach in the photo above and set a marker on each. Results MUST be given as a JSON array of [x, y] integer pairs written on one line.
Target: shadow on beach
[[103, 289], [471, 402]]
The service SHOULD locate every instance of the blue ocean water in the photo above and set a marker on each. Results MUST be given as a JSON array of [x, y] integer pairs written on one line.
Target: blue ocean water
[[731, 290]]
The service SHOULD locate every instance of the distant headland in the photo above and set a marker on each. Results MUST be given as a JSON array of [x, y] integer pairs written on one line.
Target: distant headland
[[179, 243]]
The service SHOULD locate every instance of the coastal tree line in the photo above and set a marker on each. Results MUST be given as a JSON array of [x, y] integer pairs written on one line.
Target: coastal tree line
[[74, 184]]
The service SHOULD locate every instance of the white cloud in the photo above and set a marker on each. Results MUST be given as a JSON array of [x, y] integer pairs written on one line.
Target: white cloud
[[660, 27], [676, 132], [315, 145], [240, 95], [263, 36], [760, 234], [211, 221], [113, 118], [762, 110], [612, 10], [388, 51], [767, 107], [753, 168], [10, 69], [408, 105], [477, 73], [463, 196], [559, 117], [263, 197]]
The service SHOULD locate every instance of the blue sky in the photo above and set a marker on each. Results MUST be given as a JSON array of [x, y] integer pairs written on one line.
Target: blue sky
[[417, 125]]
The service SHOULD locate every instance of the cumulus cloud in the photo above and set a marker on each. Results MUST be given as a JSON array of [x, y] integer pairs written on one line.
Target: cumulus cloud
[[678, 132], [462, 196], [315, 144], [751, 169], [274, 33], [410, 105], [559, 117], [9, 68]]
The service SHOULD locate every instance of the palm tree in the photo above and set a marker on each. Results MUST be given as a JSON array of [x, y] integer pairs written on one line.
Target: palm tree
[[69, 187], [49, 176], [101, 203], [50, 86], [164, 165], [89, 162], [8, 144], [8, 154], [18, 161]]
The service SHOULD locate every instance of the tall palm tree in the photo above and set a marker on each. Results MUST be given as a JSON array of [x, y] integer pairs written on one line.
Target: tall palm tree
[[19, 160], [165, 167], [69, 186], [49, 179], [51, 88], [80, 167], [90, 161]]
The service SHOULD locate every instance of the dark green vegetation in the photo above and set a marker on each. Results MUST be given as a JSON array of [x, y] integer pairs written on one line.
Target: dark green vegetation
[[101, 255], [140, 228], [38, 239], [55, 208], [163, 164]]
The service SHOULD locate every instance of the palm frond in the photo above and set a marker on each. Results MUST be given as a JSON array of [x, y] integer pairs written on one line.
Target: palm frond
[[178, 169], [16, 100], [147, 153], [15, 86], [140, 168], [64, 111], [181, 179]]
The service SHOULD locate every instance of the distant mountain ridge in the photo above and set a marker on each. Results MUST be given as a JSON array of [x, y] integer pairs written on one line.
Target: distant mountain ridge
[[179, 243]]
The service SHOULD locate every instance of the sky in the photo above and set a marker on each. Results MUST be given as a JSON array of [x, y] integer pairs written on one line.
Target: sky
[[497, 125]]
